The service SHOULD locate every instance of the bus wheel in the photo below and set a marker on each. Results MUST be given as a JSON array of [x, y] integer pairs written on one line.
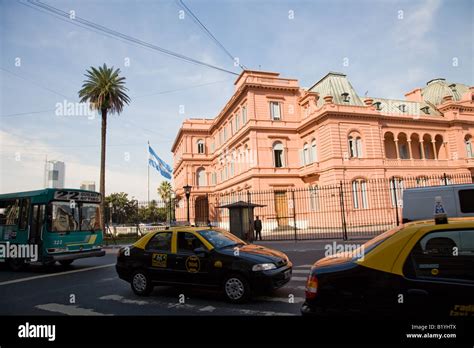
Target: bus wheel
[[141, 283], [48, 263], [65, 262], [16, 264]]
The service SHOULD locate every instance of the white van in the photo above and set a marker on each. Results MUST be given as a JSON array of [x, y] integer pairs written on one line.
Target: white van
[[457, 200]]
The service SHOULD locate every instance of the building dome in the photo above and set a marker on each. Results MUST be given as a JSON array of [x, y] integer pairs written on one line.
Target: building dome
[[438, 88]]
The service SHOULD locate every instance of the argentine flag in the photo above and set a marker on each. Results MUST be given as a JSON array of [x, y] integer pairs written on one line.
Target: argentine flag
[[157, 163]]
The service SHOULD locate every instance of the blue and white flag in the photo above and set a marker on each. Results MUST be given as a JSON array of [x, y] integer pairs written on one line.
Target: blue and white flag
[[157, 163]]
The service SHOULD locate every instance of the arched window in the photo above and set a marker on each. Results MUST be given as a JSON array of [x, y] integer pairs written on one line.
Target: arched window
[[469, 147], [359, 194], [306, 154], [201, 177], [200, 146], [278, 158], [314, 151], [355, 146]]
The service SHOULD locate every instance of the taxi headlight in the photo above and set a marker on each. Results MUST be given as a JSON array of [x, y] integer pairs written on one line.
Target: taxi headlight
[[263, 267]]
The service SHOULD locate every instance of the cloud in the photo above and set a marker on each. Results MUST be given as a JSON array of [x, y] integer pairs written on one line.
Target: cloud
[[22, 169], [412, 30]]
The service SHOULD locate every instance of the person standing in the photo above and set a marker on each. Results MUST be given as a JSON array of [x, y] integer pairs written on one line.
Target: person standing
[[257, 225]]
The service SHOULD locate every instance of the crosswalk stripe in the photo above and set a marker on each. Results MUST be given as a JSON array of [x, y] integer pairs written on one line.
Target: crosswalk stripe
[[122, 299], [303, 266], [301, 271], [299, 279], [280, 299], [69, 309], [207, 309]]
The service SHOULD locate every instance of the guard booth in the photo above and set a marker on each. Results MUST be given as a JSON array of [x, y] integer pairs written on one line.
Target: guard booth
[[241, 219]]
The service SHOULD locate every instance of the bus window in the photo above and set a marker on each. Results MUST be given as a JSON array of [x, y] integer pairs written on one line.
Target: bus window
[[24, 214], [9, 212], [90, 217], [64, 217]]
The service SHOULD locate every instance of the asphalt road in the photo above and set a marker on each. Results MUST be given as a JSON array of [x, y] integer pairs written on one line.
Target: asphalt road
[[91, 287]]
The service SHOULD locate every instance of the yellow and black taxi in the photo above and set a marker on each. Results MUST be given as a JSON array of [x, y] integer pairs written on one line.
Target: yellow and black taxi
[[202, 257], [417, 269]]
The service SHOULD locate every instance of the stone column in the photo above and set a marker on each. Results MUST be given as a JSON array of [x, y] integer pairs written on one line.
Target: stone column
[[422, 149], [398, 150], [409, 149], [435, 155]]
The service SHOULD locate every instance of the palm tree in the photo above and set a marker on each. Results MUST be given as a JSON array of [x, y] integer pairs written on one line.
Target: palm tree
[[164, 190], [105, 90]]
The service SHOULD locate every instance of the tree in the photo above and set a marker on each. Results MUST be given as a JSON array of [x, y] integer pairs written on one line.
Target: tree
[[164, 190], [124, 210], [105, 90]]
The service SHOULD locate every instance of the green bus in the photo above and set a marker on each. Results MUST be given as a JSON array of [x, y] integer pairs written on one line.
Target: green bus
[[59, 224]]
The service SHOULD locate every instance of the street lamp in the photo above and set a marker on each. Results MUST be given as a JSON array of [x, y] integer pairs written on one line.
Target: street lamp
[[173, 205], [187, 192]]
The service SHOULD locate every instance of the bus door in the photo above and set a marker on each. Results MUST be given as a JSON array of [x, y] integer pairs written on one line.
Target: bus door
[[37, 222], [22, 236]]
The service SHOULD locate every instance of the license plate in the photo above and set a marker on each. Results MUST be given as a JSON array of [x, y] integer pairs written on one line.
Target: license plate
[[287, 274]]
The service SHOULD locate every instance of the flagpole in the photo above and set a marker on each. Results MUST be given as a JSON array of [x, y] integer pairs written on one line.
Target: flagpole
[[148, 174]]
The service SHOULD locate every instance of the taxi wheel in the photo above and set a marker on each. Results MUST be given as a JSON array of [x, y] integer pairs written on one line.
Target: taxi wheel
[[236, 288], [141, 283]]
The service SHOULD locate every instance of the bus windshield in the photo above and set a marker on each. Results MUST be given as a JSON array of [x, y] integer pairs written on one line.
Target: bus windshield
[[67, 217]]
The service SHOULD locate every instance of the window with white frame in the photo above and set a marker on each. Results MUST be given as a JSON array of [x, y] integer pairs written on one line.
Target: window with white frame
[[355, 146], [314, 198], [214, 178], [200, 146], [278, 155], [469, 147], [306, 155], [201, 177], [244, 115], [314, 151], [237, 122], [275, 110], [396, 191], [225, 133], [359, 194]]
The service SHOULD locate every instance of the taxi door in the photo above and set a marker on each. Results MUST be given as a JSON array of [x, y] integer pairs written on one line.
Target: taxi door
[[159, 257], [440, 274], [190, 267]]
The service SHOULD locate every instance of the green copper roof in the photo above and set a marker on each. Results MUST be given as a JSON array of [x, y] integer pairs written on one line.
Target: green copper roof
[[335, 84], [438, 88]]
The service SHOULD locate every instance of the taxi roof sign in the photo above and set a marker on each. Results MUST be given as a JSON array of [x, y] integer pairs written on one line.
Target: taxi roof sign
[[440, 215]]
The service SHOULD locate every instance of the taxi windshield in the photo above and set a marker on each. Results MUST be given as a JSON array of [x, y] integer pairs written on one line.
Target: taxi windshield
[[365, 248], [221, 239]]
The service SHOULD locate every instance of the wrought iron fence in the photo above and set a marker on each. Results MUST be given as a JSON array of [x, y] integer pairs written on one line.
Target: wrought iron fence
[[347, 210]]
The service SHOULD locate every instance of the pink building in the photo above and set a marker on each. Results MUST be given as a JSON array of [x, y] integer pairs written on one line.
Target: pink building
[[275, 135]]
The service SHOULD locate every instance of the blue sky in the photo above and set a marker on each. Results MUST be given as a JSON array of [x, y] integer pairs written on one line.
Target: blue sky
[[387, 55]]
